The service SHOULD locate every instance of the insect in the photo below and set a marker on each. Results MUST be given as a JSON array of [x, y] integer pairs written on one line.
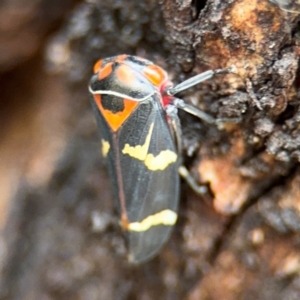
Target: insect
[[136, 111]]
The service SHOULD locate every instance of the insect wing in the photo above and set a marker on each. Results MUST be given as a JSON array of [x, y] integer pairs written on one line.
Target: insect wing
[[151, 185], [143, 166]]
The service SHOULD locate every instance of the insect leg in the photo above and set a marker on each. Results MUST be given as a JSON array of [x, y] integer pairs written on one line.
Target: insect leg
[[171, 111], [179, 103], [193, 110], [198, 79], [190, 180]]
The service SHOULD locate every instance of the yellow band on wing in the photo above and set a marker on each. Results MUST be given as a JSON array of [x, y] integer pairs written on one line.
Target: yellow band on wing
[[140, 151], [160, 161], [165, 217], [153, 163], [105, 147]]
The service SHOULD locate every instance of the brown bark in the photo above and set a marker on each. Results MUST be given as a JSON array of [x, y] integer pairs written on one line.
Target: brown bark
[[61, 238]]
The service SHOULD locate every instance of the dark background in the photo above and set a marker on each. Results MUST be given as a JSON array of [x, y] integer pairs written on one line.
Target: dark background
[[60, 235]]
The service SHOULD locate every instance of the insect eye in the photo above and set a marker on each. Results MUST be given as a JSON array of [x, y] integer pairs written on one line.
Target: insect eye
[[155, 74]]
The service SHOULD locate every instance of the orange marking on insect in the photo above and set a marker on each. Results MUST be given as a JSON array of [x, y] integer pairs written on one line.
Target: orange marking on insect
[[124, 221], [155, 74], [115, 120], [97, 65], [125, 75], [105, 71], [121, 58]]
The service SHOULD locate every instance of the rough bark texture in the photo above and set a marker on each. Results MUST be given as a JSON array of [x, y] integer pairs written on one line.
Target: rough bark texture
[[60, 235]]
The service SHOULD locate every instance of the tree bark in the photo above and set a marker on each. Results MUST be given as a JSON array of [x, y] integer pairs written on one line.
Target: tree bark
[[241, 240]]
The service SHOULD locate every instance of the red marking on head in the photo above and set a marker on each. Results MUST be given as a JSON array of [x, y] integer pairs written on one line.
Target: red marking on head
[[166, 98], [105, 71], [155, 74], [115, 120], [97, 65], [125, 75]]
